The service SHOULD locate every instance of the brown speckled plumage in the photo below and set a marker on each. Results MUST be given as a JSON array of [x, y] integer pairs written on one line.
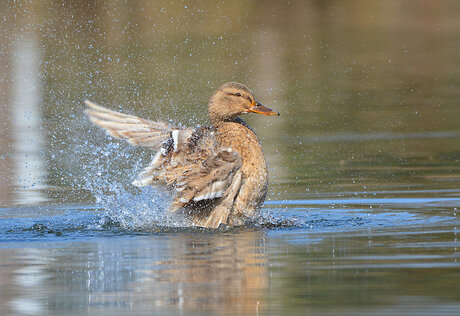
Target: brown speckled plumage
[[218, 173]]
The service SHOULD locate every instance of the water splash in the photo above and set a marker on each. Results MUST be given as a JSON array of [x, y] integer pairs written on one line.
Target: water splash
[[108, 167], [145, 209]]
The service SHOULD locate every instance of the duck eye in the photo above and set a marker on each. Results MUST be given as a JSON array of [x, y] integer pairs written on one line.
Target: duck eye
[[238, 94]]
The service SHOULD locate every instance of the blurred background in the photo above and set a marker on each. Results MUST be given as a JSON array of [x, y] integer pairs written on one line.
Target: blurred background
[[364, 161], [367, 90]]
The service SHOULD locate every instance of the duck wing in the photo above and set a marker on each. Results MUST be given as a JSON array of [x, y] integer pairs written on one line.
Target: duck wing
[[187, 159], [138, 131], [194, 165]]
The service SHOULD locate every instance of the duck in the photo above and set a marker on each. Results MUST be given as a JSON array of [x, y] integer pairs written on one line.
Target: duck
[[217, 173]]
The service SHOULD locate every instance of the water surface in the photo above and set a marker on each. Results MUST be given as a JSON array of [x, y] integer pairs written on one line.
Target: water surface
[[364, 161]]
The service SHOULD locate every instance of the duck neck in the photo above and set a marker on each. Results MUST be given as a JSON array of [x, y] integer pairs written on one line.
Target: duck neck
[[217, 123]]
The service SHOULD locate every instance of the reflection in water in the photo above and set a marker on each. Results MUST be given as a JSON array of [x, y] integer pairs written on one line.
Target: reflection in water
[[378, 272], [224, 273], [27, 135], [219, 272], [237, 272], [29, 276]]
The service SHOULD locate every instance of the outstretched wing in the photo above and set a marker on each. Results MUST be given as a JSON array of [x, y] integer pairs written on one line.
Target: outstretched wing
[[138, 131]]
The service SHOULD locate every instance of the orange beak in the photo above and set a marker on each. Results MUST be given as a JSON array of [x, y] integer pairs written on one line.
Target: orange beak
[[259, 108]]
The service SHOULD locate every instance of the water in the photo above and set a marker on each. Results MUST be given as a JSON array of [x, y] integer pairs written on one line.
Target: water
[[300, 257], [364, 161]]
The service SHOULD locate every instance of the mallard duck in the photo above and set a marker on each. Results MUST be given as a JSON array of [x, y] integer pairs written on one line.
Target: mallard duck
[[218, 173]]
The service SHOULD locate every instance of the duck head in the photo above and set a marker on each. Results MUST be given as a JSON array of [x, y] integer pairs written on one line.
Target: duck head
[[233, 99]]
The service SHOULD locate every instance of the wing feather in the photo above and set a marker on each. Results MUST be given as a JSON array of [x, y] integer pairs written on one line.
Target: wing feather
[[209, 180], [138, 131]]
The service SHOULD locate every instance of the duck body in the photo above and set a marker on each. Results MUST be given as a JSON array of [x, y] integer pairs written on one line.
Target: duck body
[[242, 139], [218, 173]]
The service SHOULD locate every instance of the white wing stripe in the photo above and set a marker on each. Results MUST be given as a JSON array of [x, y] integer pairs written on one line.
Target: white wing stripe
[[175, 136], [208, 196]]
